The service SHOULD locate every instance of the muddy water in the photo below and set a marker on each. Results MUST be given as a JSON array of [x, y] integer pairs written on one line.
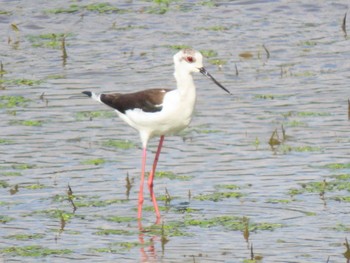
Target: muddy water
[[49, 140]]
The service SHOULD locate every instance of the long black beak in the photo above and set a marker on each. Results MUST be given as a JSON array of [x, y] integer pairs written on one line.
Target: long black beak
[[206, 73]]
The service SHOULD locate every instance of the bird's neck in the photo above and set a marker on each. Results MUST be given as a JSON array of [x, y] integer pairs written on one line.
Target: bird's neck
[[185, 83]]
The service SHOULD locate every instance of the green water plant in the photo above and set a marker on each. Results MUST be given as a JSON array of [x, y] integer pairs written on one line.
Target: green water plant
[[13, 101], [23, 237], [120, 144], [33, 251]]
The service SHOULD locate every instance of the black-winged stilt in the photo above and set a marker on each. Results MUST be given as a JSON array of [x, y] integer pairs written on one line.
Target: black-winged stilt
[[159, 112]]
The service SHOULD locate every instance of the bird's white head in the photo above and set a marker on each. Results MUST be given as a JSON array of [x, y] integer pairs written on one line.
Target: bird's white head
[[189, 60]]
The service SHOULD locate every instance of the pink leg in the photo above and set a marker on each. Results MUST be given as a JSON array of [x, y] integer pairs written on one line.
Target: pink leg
[[151, 177], [139, 214]]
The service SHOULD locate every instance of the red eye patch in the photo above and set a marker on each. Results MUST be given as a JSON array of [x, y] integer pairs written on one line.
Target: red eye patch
[[190, 59]]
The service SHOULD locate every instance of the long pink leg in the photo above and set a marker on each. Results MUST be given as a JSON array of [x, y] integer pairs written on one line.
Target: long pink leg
[[151, 177], [139, 214]]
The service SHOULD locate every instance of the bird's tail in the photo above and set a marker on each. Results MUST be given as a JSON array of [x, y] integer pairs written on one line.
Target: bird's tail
[[92, 95]]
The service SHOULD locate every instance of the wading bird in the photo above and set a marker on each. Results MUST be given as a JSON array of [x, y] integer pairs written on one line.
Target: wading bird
[[159, 112]]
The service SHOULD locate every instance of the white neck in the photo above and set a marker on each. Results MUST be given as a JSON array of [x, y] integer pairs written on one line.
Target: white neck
[[185, 83]]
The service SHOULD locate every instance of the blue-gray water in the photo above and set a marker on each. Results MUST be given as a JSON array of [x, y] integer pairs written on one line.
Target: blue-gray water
[[303, 84]]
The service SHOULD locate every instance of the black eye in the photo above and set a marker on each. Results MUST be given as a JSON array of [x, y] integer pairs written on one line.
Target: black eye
[[190, 59]]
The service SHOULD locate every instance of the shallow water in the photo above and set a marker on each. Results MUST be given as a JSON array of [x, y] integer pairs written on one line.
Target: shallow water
[[302, 85]]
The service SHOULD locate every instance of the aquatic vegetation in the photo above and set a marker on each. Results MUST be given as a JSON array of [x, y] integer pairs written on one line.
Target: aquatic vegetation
[[83, 115], [5, 219], [233, 223], [4, 141], [102, 8], [178, 47], [278, 201], [23, 237], [341, 183], [209, 53], [287, 148], [337, 166], [23, 166], [107, 232], [33, 123], [98, 161], [121, 219], [172, 176], [34, 251], [228, 186], [213, 28], [218, 196], [217, 62], [49, 40], [120, 144], [34, 186], [295, 123], [169, 229], [13, 101], [4, 184], [97, 203], [312, 114]]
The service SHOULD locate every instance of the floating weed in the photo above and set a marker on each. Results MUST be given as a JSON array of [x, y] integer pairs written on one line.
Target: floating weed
[[121, 219], [231, 223], [172, 176], [214, 28], [341, 228], [23, 166], [97, 161], [178, 47], [101, 8], [11, 174], [342, 177], [345, 199], [20, 82], [218, 196], [55, 214], [107, 232], [30, 123], [71, 9], [4, 141], [209, 53], [13, 101], [278, 201], [98, 203], [287, 148], [228, 186], [49, 40], [337, 166], [217, 62], [312, 114], [120, 144], [94, 115], [308, 43], [24, 237], [34, 251], [322, 187], [4, 184], [295, 123], [5, 219], [128, 27], [170, 229], [105, 250], [35, 186]]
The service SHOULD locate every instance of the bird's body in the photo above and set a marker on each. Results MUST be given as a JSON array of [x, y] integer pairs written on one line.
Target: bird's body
[[159, 112]]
